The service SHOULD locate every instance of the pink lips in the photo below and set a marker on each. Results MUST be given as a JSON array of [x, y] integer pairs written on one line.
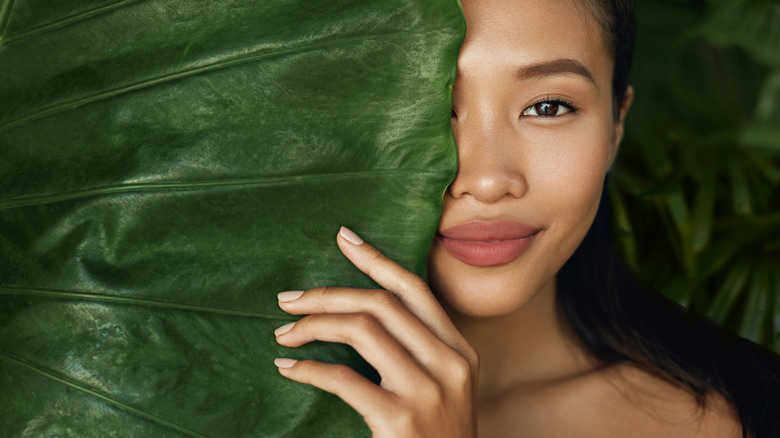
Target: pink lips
[[487, 243]]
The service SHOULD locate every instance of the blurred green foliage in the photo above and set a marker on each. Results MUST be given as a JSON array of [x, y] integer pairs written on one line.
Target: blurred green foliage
[[695, 191]]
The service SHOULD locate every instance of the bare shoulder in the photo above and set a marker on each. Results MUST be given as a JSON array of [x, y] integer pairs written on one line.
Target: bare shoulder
[[642, 399], [618, 401]]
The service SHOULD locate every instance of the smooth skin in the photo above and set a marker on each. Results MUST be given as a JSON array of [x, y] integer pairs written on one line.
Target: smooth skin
[[536, 133]]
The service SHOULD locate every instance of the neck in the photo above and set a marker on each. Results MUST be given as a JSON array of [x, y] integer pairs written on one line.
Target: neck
[[530, 346]]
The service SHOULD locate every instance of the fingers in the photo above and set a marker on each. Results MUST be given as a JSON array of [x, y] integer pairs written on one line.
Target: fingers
[[428, 370], [417, 338], [430, 411], [370, 400], [407, 392], [387, 273], [399, 371], [410, 289]]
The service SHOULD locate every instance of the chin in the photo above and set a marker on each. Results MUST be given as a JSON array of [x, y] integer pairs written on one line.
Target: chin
[[483, 292], [476, 310], [495, 291]]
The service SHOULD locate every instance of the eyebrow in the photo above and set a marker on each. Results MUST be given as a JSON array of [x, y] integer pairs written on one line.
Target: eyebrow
[[555, 67]]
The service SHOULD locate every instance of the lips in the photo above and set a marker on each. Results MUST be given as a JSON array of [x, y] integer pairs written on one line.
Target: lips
[[487, 243]]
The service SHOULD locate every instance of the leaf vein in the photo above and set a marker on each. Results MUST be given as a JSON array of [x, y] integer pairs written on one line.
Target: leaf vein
[[5, 16], [219, 64], [78, 295], [65, 21], [37, 369], [143, 187]]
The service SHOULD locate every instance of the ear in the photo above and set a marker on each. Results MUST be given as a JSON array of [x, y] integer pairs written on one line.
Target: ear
[[619, 127]]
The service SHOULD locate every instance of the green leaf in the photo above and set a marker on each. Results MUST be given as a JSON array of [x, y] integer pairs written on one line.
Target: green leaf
[[626, 236], [729, 292], [739, 189], [703, 212], [770, 170], [679, 289], [769, 95], [751, 24], [761, 137], [168, 166], [756, 310], [679, 212]]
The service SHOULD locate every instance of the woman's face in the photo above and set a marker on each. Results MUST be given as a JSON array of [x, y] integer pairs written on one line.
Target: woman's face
[[533, 121]]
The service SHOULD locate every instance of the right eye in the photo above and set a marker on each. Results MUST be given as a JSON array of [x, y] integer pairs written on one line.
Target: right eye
[[550, 107]]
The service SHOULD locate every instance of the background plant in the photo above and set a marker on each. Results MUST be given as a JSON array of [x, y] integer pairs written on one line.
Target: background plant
[[695, 190]]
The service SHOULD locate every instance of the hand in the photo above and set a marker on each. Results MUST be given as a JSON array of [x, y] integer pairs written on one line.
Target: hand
[[428, 371]]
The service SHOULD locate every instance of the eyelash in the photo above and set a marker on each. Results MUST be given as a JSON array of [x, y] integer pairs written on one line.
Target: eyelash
[[569, 105]]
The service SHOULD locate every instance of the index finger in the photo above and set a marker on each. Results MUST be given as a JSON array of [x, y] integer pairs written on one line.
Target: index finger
[[410, 289]]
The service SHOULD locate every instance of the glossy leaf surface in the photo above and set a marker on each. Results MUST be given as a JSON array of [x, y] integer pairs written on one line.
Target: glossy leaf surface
[[168, 166]]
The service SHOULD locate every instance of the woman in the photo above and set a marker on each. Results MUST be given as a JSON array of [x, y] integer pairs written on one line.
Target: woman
[[505, 340]]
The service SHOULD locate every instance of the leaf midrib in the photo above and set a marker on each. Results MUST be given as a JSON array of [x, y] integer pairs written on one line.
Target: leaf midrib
[[144, 187], [105, 298]]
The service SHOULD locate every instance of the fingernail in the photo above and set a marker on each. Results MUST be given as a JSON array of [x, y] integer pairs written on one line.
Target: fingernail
[[290, 295], [283, 329], [283, 362], [350, 236]]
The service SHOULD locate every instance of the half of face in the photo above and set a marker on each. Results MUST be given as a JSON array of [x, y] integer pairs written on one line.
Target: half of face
[[533, 121]]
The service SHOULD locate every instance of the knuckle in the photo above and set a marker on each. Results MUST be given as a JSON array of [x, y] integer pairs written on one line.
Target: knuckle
[[459, 369], [403, 422], [365, 322], [303, 365], [417, 284], [431, 391], [472, 357], [375, 260], [382, 299], [320, 292], [304, 370], [324, 298], [342, 373], [327, 295]]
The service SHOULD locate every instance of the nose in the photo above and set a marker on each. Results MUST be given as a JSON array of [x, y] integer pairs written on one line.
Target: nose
[[490, 164]]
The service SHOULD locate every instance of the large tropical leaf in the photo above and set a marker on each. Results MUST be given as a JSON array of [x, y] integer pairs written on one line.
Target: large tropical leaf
[[168, 166]]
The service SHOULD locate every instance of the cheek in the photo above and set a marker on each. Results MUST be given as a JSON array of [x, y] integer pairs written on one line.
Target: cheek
[[571, 186], [567, 176], [567, 187]]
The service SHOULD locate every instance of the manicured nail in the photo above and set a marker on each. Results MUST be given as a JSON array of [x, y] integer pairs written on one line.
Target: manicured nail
[[350, 236], [283, 362], [290, 295], [283, 329]]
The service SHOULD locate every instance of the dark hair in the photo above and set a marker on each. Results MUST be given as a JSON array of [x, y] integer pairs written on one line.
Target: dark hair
[[617, 320], [616, 18]]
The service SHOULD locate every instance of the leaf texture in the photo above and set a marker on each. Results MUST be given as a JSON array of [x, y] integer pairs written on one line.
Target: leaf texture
[[168, 166]]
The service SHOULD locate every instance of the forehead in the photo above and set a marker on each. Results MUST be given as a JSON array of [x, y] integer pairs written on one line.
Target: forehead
[[512, 33]]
